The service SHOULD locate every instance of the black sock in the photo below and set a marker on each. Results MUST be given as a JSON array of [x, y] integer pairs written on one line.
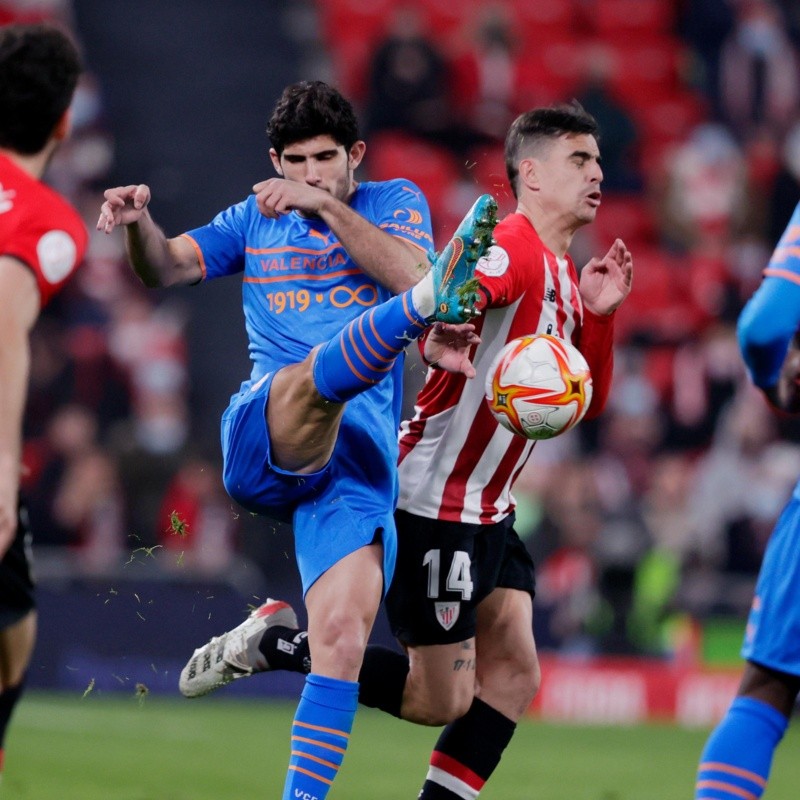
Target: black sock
[[382, 679], [467, 753], [286, 648], [8, 700]]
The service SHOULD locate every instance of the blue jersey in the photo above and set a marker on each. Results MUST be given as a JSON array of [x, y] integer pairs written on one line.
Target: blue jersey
[[300, 287]]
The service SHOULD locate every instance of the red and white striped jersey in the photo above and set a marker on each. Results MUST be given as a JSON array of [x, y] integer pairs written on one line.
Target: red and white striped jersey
[[456, 462]]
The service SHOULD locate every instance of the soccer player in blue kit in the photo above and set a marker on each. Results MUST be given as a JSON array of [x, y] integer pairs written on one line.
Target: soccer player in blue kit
[[311, 436], [736, 761]]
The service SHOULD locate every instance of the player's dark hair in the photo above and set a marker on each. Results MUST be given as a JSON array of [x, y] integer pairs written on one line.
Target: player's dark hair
[[308, 109], [542, 124], [39, 70]]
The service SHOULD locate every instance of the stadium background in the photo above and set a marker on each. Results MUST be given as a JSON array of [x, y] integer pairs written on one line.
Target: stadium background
[[647, 526]]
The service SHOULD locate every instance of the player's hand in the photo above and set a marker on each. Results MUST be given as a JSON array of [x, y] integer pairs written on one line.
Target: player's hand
[[123, 205], [606, 282], [447, 347], [278, 196]]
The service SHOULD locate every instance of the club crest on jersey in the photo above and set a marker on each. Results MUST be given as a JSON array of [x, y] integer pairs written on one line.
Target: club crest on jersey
[[6, 199], [447, 614], [494, 263]]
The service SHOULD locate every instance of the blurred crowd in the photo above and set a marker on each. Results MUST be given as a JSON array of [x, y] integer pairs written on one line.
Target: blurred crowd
[[645, 523]]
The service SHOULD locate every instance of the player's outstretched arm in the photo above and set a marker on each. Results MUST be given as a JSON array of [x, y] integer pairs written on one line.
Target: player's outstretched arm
[[606, 282], [447, 347], [157, 261]]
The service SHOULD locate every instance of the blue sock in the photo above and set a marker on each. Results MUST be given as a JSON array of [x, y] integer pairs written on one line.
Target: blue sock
[[737, 757], [320, 734], [365, 351]]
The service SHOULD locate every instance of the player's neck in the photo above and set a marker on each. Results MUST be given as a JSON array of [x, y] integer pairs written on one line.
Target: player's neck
[[551, 230], [34, 165]]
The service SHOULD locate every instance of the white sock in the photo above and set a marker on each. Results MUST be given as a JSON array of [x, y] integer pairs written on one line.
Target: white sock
[[422, 296]]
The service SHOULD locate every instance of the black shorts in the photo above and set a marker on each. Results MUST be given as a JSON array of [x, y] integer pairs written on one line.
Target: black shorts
[[444, 569], [16, 583]]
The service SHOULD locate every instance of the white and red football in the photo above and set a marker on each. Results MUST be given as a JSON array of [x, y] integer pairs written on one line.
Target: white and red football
[[539, 386]]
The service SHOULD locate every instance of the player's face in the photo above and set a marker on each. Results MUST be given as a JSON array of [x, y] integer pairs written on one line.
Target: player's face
[[568, 175], [322, 163]]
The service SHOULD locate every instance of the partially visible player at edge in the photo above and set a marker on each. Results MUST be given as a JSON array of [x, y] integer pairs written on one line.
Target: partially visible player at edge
[[736, 761], [311, 436], [463, 575], [42, 241]]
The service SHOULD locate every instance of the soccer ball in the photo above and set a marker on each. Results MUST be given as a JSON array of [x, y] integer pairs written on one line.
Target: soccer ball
[[539, 386]]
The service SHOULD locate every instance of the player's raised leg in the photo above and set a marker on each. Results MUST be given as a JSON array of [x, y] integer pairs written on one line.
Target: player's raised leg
[[306, 399]]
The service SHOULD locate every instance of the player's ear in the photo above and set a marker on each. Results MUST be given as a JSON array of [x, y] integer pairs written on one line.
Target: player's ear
[[528, 173], [276, 161], [356, 154]]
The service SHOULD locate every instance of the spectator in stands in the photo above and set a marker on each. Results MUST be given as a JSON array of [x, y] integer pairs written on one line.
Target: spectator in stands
[[760, 81], [786, 187], [484, 74], [408, 82], [197, 523], [704, 194], [620, 136]]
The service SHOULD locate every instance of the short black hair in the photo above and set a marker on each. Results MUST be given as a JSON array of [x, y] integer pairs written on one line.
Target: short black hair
[[39, 70], [308, 109], [540, 124]]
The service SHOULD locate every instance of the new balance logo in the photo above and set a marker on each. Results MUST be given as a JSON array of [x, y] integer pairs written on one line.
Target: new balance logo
[[550, 295]]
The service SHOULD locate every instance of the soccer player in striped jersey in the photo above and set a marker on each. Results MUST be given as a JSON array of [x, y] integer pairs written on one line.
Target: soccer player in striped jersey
[[463, 575], [334, 290], [42, 242], [737, 757]]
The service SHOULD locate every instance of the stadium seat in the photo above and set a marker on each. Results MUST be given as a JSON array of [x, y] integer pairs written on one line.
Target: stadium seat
[[615, 17], [433, 169], [624, 216], [350, 19], [486, 166], [542, 20], [645, 67]]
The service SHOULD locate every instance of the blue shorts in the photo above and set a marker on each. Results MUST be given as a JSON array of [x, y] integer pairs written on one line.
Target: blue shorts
[[772, 636], [345, 506]]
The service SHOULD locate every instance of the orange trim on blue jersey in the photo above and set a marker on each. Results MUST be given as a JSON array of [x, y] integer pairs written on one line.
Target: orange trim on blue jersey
[[728, 788], [352, 365], [378, 336], [320, 744], [199, 253], [343, 734], [310, 774], [368, 345], [322, 761], [774, 272], [718, 766], [411, 317], [261, 251], [304, 276]]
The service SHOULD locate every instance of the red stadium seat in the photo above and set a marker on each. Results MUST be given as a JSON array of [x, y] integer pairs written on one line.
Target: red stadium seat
[[615, 17], [395, 155], [350, 19], [626, 217], [645, 67], [486, 166], [540, 21]]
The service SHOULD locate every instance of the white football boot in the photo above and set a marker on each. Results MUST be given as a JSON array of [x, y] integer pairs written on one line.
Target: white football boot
[[234, 654]]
